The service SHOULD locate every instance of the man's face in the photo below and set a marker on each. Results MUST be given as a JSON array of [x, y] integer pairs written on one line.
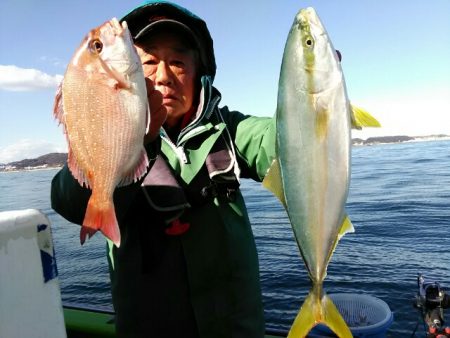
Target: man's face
[[170, 68]]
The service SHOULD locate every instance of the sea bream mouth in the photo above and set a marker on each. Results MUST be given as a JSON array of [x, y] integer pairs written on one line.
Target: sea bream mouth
[[114, 27], [118, 28], [112, 30]]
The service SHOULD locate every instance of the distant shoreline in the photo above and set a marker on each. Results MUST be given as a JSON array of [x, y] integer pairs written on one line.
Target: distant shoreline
[[44, 162], [371, 141], [54, 161], [30, 169]]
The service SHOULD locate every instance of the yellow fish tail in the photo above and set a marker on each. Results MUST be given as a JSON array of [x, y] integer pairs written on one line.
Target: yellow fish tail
[[318, 308]]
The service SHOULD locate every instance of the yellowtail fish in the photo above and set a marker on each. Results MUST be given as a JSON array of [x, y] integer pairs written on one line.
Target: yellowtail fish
[[102, 103], [311, 173]]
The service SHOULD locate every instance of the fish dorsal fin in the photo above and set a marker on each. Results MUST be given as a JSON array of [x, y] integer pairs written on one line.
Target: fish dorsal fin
[[138, 171], [58, 107], [272, 181], [361, 118]]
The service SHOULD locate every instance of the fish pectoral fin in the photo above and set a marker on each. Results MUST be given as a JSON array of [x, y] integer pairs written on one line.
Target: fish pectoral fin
[[119, 81], [317, 310], [361, 118], [272, 181], [122, 82], [137, 172]]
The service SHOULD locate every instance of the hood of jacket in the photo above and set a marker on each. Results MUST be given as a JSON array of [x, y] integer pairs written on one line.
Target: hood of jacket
[[152, 11]]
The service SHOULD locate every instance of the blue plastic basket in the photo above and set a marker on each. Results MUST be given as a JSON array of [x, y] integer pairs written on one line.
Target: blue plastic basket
[[366, 316]]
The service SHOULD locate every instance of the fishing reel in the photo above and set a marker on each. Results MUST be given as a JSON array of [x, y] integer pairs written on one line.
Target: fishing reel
[[432, 300]]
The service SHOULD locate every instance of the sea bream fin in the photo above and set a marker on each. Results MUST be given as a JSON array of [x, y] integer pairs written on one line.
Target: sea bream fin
[[119, 80], [138, 171], [100, 217], [75, 169], [58, 107]]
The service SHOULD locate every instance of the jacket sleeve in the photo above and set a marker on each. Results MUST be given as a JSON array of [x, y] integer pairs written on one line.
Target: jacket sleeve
[[254, 139], [69, 198]]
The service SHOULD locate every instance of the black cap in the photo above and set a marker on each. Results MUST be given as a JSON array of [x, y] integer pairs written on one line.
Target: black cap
[[154, 15]]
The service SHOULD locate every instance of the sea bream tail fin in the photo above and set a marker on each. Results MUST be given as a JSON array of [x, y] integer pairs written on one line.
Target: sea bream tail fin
[[361, 118], [100, 216], [318, 308], [272, 181]]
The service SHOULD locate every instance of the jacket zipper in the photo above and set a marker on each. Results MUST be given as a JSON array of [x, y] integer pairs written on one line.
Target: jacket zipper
[[208, 109], [179, 151]]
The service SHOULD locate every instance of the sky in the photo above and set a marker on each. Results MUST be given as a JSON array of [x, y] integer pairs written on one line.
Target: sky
[[396, 60]]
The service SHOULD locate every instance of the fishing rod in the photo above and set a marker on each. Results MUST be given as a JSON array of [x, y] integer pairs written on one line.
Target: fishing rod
[[431, 301]]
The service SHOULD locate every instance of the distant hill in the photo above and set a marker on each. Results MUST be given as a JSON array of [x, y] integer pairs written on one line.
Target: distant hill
[[44, 161], [397, 139], [54, 160], [382, 139]]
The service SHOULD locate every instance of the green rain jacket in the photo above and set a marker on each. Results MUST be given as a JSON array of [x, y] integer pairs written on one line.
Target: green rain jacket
[[204, 282]]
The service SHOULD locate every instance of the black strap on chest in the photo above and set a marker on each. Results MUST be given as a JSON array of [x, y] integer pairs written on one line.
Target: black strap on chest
[[167, 193]]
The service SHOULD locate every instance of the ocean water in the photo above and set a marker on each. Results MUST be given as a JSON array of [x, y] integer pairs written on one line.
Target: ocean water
[[399, 203]]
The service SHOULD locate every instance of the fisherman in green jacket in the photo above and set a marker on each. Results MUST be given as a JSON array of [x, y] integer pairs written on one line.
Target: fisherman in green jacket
[[187, 265]]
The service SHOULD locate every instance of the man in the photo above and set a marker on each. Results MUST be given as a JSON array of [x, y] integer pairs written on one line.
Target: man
[[187, 265]]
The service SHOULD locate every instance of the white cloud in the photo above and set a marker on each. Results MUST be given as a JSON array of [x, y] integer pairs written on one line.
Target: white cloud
[[27, 148], [13, 78]]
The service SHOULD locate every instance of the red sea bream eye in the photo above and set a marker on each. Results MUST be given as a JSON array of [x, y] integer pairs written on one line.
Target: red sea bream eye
[[96, 46]]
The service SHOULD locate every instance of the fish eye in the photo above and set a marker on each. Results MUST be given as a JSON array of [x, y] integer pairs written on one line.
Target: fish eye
[[309, 42], [96, 46]]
